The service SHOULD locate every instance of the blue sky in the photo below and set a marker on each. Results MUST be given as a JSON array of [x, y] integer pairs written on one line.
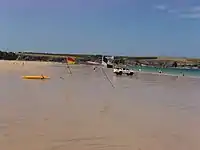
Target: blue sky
[[118, 27]]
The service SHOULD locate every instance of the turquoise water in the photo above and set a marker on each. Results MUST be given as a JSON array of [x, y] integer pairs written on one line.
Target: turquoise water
[[174, 71]]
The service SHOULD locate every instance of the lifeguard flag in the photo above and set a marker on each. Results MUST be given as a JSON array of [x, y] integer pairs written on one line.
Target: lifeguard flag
[[70, 60]]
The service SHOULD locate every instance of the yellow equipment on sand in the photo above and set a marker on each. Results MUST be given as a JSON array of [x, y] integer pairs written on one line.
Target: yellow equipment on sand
[[36, 77]]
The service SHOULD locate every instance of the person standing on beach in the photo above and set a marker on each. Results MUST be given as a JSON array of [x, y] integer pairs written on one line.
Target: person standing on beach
[[182, 73], [160, 71], [94, 68]]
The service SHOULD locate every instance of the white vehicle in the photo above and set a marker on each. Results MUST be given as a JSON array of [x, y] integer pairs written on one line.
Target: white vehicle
[[117, 71], [120, 71]]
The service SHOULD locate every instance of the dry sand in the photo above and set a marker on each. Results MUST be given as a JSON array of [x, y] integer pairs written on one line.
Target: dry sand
[[83, 112]]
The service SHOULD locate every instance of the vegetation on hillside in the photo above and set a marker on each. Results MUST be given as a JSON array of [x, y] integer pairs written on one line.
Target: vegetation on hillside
[[155, 61]]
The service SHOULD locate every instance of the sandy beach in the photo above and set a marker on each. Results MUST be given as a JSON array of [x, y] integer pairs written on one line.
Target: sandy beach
[[82, 111]]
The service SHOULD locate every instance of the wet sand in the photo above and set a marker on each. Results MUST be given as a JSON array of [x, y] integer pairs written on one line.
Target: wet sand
[[83, 111]]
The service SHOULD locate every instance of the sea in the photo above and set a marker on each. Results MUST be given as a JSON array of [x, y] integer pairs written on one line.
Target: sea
[[172, 71]]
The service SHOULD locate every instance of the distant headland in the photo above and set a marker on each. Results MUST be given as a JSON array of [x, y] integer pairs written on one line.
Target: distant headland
[[125, 60]]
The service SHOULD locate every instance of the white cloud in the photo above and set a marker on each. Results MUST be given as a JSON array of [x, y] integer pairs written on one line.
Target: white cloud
[[161, 7], [191, 13], [190, 16], [187, 13], [165, 8], [195, 9]]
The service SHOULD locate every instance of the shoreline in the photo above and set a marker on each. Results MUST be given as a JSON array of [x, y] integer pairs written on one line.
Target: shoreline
[[43, 63], [167, 74]]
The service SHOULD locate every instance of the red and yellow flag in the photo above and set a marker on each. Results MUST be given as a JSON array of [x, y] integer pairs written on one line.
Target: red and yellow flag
[[70, 60]]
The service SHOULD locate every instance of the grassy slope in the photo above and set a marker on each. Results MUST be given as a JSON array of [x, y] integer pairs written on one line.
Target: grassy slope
[[88, 55]]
